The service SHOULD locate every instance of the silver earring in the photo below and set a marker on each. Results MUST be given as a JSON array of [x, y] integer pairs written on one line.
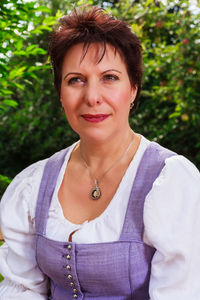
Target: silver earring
[[132, 105]]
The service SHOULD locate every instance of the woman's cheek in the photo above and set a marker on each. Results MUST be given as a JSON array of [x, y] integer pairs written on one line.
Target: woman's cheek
[[121, 97]]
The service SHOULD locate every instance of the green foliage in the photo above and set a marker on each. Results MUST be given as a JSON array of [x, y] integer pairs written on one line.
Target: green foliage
[[32, 125], [169, 104], [26, 83], [4, 182], [21, 58]]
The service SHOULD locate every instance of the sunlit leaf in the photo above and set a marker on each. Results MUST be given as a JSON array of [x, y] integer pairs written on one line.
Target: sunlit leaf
[[10, 102]]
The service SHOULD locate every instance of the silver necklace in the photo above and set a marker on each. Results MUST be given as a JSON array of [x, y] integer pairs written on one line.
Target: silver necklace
[[96, 193]]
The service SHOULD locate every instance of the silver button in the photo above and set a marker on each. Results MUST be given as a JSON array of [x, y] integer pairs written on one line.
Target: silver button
[[71, 284], [68, 267], [75, 291], [68, 257], [69, 247], [75, 296], [69, 277]]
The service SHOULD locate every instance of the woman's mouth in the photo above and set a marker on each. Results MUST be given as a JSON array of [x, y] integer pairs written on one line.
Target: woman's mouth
[[95, 118]]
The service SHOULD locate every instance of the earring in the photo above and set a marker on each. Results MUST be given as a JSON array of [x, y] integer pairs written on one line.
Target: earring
[[132, 105]]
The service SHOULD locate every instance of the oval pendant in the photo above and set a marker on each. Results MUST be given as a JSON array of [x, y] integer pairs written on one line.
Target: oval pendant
[[96, 193]]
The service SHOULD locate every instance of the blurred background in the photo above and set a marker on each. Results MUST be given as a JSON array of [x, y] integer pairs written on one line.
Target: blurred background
[[32, 124]]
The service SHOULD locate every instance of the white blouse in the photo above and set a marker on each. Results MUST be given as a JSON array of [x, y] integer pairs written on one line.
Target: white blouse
[[171, 219]]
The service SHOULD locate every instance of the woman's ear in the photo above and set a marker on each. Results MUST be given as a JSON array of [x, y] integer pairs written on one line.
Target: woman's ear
[[62, 106], [133, 94]]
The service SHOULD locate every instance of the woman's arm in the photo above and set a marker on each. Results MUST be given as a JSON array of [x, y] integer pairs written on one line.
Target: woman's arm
[[23, 279], [172, 224]]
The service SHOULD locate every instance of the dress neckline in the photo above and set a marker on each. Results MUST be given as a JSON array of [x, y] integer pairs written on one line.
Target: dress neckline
[[55, 204]]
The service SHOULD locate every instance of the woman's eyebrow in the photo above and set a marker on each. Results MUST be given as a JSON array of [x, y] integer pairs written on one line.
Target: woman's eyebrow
[[111, 70], [77, 73], [71, 73]]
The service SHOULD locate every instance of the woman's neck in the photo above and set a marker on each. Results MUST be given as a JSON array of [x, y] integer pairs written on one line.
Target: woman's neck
[[100, 156]]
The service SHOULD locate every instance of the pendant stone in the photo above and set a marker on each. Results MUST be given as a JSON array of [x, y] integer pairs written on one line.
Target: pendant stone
[[96, 193]]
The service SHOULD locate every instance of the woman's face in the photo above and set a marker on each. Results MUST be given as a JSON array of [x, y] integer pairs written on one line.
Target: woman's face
[[96, 96]]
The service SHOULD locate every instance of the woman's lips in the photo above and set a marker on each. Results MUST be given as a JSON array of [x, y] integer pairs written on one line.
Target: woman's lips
[[94, 118]]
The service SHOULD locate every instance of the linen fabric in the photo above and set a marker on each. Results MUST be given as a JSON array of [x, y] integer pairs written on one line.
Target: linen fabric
[[117, 270]]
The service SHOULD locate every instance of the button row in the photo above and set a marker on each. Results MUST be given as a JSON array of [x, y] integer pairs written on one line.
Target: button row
[[69, 276]]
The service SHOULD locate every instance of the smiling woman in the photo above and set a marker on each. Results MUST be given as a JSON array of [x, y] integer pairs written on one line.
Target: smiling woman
[[98, 93], [109, 217]]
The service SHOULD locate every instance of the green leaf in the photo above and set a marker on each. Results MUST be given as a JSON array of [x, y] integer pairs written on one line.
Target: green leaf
[[17, 72], [43, 9], [10, 102], [5, 179]]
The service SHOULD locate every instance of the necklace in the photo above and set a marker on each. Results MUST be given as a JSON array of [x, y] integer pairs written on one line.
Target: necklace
[[96, 193]]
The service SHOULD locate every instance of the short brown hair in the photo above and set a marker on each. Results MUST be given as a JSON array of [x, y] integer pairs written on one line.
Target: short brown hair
[[93, 25]]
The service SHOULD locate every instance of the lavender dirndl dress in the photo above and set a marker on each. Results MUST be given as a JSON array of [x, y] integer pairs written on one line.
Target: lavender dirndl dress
[[117, 270]]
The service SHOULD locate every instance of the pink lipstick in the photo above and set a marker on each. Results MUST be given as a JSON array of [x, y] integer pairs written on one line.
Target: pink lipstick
[[94, 118]]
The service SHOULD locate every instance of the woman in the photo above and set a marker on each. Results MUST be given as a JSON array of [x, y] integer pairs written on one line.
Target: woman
[[113, 216]]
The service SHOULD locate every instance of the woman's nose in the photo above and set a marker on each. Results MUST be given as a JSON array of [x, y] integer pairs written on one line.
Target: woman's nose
[[92, 94]]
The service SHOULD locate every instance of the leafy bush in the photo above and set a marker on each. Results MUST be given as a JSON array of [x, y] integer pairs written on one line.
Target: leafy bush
[[169, 104]]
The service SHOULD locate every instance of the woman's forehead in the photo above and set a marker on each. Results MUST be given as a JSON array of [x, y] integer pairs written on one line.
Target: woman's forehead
[[94, 52]]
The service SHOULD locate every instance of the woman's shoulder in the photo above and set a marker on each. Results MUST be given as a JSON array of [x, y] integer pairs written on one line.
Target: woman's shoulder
[[22, 191], [31, 171], [179, 178], [181, 167], [25, 185], [27, 175], [174, 163], [176, 187]]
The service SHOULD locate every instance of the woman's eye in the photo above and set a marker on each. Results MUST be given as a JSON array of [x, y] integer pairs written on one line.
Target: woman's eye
[[75, 80], [110, 77]]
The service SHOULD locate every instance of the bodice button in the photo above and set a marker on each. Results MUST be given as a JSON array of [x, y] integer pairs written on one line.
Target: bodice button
[[69, 277], [75, 296], [68, 267], [69, 247], [68, 257]]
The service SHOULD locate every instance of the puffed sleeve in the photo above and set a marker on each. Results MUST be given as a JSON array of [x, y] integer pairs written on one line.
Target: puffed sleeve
[[172, 226], [22, 277]]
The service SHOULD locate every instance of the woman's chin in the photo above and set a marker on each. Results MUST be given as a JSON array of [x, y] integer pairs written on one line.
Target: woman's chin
[[95, 136]]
